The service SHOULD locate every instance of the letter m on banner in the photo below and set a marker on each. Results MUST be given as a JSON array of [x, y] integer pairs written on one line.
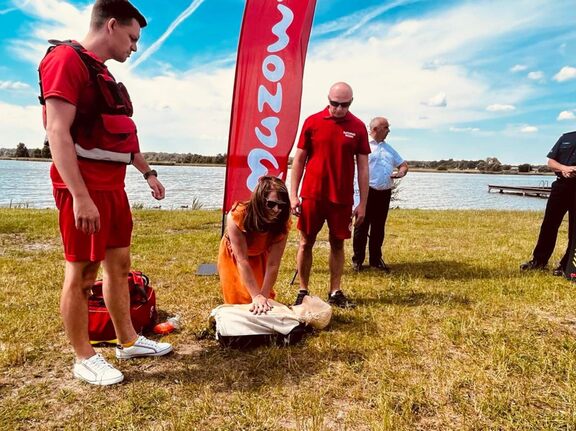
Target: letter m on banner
[[267, 92]]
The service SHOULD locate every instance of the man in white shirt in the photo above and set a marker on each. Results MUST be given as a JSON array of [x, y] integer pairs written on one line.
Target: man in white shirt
[[382, 161]]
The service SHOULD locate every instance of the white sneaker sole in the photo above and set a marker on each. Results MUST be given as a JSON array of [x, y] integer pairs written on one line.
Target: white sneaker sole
[[104, 382], [120, 354]]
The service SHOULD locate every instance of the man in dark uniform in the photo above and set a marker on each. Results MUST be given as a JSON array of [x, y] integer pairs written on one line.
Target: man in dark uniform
[[562, 160]]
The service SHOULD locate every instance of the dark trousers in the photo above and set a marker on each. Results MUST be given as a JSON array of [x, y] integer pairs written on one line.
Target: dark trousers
[[561, 201], [376, 214]]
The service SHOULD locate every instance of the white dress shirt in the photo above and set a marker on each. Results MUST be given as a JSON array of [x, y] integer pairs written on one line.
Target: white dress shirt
[[381, 163]]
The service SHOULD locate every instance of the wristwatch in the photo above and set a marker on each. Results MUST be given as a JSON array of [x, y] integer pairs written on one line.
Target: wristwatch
[[149, 173]]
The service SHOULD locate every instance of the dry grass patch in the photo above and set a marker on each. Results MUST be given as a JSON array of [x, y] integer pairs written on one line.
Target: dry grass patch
[[455, 338]]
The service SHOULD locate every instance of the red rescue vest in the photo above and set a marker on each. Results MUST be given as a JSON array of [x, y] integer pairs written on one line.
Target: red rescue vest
[[103, 131]]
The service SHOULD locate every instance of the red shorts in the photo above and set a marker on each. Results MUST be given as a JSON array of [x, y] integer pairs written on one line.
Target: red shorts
[[115, 225], [314, 213]]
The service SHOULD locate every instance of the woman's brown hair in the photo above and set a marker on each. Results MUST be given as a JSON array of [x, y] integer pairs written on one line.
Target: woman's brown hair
[[258, 217]]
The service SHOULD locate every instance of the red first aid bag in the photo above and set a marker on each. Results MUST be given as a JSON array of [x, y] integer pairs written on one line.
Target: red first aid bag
[[142, 309]]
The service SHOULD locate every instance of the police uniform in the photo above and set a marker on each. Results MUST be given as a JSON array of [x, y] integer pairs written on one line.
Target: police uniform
[[561, 200]]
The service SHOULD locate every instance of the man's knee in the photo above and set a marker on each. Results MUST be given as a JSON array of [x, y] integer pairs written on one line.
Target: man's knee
[[81, 275], [307, 241], [336, 244], [117, 262]]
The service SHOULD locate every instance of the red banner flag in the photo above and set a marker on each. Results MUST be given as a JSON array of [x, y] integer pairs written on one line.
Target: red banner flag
[[267, 92]]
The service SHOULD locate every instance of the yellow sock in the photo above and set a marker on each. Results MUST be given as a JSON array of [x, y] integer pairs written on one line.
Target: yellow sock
[[125, 345]]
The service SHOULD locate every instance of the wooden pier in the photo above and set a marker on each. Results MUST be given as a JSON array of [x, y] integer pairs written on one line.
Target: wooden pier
[[539, 192]]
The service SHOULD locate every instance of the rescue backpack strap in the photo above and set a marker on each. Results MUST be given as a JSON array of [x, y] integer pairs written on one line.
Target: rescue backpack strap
[[94, 67], [41, 96]]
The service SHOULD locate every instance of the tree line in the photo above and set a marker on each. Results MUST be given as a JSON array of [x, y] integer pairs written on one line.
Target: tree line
[[490, 164], [187, 158], [21, 151]]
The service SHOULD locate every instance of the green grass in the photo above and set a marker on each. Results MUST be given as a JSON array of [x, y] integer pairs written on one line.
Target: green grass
[[456, 338]]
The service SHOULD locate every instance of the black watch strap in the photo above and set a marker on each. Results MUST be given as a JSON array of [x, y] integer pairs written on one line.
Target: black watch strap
[[149, 173]]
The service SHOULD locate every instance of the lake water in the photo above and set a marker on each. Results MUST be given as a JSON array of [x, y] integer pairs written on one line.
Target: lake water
[[28, 184]]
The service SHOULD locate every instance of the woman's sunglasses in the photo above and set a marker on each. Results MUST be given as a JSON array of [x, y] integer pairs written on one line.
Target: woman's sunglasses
[[273, 204]]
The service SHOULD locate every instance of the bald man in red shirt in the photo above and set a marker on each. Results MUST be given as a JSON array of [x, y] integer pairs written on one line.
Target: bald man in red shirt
[[330, 142]]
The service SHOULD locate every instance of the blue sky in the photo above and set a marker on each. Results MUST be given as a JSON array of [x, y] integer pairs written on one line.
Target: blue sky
[[456, 79]]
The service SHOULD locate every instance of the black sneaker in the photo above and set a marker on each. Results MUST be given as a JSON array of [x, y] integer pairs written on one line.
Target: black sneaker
[[338, 299], [356, 267], [532, 265], [381, 266], [300, 297], [558, 271]]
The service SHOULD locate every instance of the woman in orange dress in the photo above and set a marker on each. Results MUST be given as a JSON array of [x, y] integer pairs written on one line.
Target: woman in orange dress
[[253, 245]]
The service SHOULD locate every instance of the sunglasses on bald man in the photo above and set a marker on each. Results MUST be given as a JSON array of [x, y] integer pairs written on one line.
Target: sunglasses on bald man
[[342, 104]]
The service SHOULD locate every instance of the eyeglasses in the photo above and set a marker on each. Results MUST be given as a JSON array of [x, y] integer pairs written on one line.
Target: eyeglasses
[[342, 104], [273, 204]]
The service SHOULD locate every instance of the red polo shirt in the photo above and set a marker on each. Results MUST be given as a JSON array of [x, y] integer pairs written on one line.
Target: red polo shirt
[[331, 144], [66, 77]]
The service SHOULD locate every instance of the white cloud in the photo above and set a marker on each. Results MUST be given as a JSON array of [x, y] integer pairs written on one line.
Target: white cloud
[[13, 85], [529, 129], [536, 75], [170, 119], [17, 125], [5, 11], [437, 101], [13, 9], [375, 12], [407, 85], [566, 73], [173, 26], [464, 129], [500, 108], [566, 115], [352, 23], [433, 65], [518, 68], [58, 19], [190, 111]]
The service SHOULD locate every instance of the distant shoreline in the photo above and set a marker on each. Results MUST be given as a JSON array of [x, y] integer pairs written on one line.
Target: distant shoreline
[[150, 162], [436, 171], [474, 171]]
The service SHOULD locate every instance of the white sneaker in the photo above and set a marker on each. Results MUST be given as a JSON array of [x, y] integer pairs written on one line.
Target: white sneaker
[[96, 371], [143, 347]]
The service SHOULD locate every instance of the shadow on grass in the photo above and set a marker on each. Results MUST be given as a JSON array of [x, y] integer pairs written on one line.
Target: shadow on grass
[[229, 370], [427, 269], [442, 269], [416, 299]]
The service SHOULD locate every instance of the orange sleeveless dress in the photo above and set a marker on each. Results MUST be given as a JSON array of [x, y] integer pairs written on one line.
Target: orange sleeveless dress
[[259, 243]]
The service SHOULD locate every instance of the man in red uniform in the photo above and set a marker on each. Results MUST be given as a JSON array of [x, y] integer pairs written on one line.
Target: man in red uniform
[[329, 143], [94, 213]]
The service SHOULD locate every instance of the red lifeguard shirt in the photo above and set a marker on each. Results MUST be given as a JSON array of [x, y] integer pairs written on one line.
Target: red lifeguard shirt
[[66, 77], [331, 144]]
